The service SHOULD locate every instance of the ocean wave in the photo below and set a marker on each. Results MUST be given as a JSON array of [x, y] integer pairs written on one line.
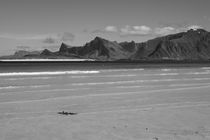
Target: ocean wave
[[167, 74], [121, 70], [18, 87], [10, 87], [107, 83], [48, 73], [29, 78], [166, 69], [104, 76]]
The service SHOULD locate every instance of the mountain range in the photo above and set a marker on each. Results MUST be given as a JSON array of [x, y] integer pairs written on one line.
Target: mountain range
[[189, 45]]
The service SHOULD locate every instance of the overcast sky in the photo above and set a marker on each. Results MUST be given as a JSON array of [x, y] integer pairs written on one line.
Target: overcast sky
[[38, 24]]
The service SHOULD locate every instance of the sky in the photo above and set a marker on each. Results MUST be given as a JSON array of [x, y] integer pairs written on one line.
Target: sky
[[39, 24]]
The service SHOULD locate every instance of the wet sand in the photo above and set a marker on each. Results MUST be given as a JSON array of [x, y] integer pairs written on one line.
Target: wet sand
[[112, 104]]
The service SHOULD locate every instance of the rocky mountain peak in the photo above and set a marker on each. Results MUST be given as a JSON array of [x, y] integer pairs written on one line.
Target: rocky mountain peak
[[64, 47]]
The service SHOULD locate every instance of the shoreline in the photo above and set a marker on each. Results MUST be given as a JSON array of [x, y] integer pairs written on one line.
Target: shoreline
[[97, 61]]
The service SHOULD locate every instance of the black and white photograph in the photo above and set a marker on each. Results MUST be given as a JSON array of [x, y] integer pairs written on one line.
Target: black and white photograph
[[104, 69]]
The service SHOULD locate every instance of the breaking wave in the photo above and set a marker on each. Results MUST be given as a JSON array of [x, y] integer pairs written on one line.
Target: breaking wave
[[121, 70], [165, 70], [167, 74], [9, 87], [29, 78], [47, 73]]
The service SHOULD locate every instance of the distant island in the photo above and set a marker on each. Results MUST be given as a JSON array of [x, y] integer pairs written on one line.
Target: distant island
[[193, 45]]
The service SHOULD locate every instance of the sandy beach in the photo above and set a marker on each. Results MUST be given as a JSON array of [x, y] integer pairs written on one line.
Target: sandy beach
[[111, 104]]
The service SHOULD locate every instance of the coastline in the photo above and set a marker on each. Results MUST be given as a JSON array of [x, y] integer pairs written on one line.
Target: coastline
[[98, 61]]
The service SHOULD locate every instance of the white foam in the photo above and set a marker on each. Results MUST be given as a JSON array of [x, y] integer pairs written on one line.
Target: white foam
[[29, 78], [167, 74], [166, 69], [10, 87], [37, 86], [106, 83], [47, 73], [104, 76], [119, 70]]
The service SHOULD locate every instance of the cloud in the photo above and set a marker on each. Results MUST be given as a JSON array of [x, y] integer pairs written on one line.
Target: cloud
[[145, 30], [165, 30], [135, 30], [176, 25], [107, 29], [111, 29], [125, 31], [194, 27], [172, 30]]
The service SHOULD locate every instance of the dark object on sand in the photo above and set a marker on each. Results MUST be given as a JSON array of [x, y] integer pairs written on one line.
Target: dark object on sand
[[67, 113]]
